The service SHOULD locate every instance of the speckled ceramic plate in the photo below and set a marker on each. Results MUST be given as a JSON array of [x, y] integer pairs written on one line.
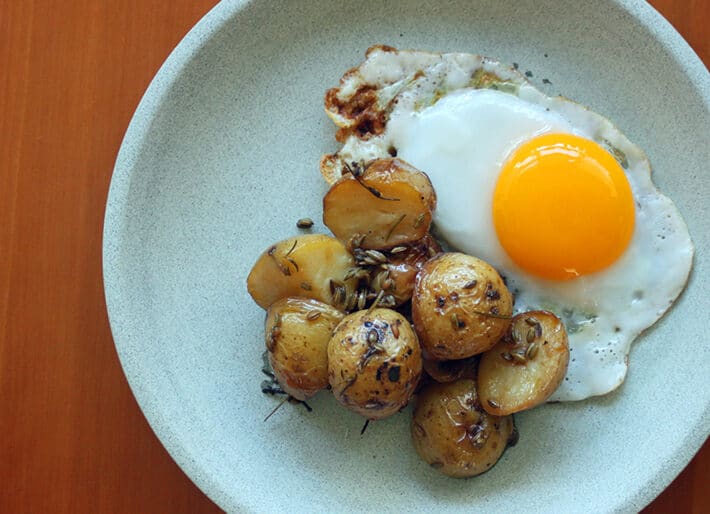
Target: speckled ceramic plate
[[220, 160]]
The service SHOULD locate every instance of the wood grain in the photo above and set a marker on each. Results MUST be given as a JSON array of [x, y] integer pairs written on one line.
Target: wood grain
[[72, 437]]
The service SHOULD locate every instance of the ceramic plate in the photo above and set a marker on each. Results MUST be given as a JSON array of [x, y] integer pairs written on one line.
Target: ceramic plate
[[221, 159]]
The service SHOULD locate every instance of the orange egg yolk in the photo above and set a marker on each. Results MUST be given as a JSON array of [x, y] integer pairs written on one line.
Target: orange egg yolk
[[563, 207]]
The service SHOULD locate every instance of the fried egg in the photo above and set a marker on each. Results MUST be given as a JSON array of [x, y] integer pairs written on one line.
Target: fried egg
[[550, 193]]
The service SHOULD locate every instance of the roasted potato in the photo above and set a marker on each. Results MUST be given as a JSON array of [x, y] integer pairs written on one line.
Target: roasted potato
[[460, 307], [385, 204], [374, 362], [453, 433], [526, 366], [309, 265], [396, 276], [297, 335]]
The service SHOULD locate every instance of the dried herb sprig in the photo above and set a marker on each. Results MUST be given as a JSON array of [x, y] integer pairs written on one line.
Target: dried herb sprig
[[357, 170]]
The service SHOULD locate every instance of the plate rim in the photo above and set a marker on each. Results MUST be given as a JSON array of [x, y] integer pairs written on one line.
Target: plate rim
[[114, 218]]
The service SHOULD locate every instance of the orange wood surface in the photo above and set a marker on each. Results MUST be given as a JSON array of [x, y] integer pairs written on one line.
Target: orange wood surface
[[72, 438]]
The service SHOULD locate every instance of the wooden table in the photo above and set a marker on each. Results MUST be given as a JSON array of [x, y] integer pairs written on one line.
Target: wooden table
[[72, 438]]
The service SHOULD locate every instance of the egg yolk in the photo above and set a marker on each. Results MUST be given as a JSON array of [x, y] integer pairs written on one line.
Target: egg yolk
[[563, 207]]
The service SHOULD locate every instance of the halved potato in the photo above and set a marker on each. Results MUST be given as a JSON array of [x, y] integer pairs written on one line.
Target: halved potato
[[297, 335], [374, 362], [454, 434], [385, 204], [461, 306], [309, 265], [526, 366]]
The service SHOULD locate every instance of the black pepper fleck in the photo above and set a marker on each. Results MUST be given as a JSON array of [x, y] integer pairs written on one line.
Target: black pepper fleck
[[492, 294]]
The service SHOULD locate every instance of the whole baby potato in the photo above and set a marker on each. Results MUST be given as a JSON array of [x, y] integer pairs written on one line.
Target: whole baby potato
[[374, 362], [461, 306], [297, 335], [454, 434]]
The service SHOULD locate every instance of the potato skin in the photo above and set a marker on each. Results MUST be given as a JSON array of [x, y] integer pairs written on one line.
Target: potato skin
[[374, 362], [402, 268], [526, 366], [297, 334], [401, 213], [460, 306], [301, 266], [452, 432]]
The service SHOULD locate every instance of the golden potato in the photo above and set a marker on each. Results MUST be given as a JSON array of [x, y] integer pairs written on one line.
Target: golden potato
[[309, 265], [374, 362], [388, 203], [526, 366], [460, 307], [453, 433], [297, 335]]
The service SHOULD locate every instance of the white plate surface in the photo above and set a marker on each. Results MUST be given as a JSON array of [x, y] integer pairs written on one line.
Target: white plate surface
[[221, 158]]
